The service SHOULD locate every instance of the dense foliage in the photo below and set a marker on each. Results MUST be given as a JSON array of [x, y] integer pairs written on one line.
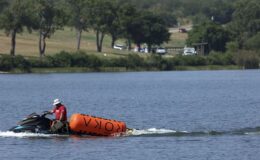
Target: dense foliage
[[215, 35], [105, 17], [231, 28], [129, 62]]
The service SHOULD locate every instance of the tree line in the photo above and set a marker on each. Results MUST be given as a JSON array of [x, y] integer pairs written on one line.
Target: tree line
[[226, 25], [223, 24], [117, 18]]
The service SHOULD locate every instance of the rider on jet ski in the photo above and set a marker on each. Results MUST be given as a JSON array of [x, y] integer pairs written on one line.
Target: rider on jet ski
[[60, 122]]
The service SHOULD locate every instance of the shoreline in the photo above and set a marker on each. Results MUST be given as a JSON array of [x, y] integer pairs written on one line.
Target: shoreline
[[119, 69]]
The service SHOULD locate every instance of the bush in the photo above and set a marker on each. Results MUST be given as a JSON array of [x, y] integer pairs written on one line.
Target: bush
[[80, 59], [190, 60], [8, 63], [219, 58], [94, 61], [134, 60], [232, 47], [248, 59], [178, 61], [154, 60], [115, 62], [253, 42], [62, 59], [21, 63], [167, 65], [45, 62]]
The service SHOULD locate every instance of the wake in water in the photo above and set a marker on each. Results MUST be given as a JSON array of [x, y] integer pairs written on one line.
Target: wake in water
[[27, 135], [152, 132]]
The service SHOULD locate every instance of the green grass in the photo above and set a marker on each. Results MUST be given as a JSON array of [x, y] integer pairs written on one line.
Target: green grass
[[27, 44]]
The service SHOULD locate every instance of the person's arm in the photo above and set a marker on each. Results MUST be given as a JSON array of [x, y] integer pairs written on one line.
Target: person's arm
[[62, 114]]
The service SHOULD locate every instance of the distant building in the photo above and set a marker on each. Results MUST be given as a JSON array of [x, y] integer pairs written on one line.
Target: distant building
[[201, 48]]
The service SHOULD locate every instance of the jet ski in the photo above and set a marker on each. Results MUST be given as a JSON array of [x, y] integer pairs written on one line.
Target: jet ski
[[39, 123], [79, 124]]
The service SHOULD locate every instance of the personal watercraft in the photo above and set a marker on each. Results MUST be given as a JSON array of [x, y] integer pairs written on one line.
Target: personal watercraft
[[38, 123], [80, 124]]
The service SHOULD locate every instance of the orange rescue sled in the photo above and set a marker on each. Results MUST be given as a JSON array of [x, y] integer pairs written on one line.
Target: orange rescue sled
[[86, 124]]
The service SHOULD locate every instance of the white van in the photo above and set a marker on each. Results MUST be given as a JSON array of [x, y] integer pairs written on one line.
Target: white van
[[189, 51]]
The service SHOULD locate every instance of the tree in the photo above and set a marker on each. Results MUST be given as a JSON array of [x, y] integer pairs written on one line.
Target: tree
[[215, 35], [219, 11], [114, 27], [3, 4], [253, 42], [246, 21], [78, 17], [150, 29], [50, 17], [127, 14], [14, 18], [100, 16], [169, 19]]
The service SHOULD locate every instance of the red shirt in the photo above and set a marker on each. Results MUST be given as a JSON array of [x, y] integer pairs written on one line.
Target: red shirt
[[58, 111]]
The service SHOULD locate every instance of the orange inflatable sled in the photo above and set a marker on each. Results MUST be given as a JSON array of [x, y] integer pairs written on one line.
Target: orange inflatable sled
[[86, 124]]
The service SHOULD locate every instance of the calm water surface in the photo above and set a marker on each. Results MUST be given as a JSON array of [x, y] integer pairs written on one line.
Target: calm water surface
[[178, 115]]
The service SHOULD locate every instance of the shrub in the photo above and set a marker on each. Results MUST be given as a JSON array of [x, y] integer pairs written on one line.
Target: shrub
[[253, 42], [21, 63], [62, 59], [248, 59], [178, 61], [6, 63], [134, 60], [232, 47], [167, 64], [219, 58], [80, 59], [45, 62], [117, 62], [154, 60], [94, 61], [192, 60]]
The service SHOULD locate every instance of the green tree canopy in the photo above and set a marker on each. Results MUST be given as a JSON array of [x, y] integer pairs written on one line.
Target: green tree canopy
[[253, 42], [246, 21], [215, 35], [150, 29], [14, 18]]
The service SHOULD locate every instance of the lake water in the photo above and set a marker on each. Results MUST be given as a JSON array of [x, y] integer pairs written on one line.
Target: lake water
[[192, 115]]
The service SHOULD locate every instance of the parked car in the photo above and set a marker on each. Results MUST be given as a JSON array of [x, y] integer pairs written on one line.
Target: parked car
[[119, 46], [160, 50], [189, 51], [182, 30], [144, 50]]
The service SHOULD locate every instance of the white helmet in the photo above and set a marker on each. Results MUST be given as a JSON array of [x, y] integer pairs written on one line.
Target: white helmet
[[56, 101]]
